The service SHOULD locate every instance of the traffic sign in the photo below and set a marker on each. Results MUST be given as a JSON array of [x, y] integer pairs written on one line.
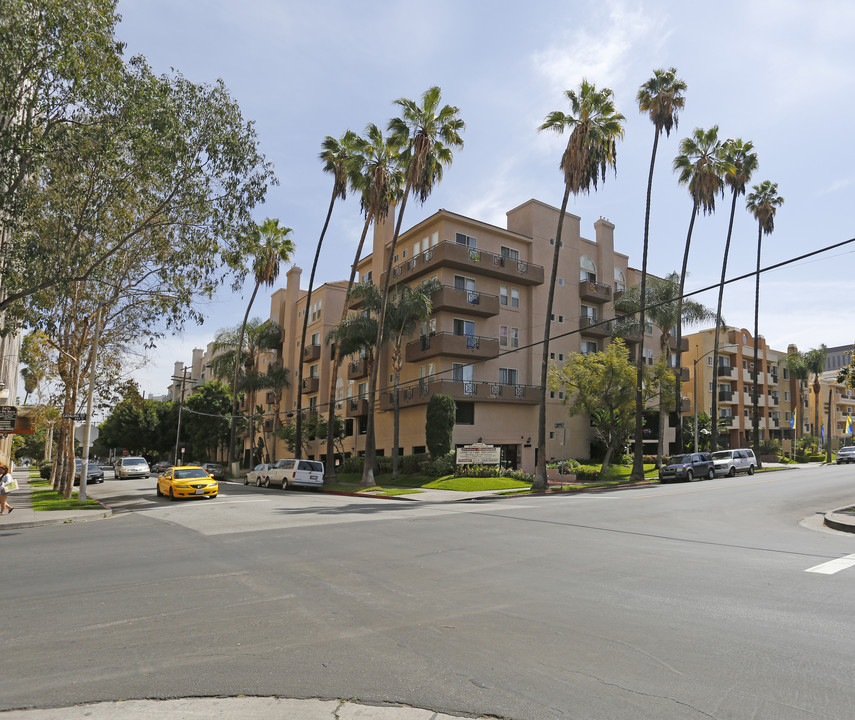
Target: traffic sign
[[8, 416], [79, 417]]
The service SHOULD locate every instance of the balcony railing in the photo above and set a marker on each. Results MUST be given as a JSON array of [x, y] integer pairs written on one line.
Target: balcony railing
[[311, 352], [450, 344], [357, 369], [462, 391], [356, 407], [725, 396], [725, 371], [594, 291], [592, 326], [467, 302], [456, 255], [311, 384]]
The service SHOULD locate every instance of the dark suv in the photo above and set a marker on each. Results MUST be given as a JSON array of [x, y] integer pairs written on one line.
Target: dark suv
[[687, 467]]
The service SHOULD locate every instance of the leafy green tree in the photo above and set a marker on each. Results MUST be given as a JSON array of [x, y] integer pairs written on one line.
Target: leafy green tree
[[699, 168], [374, 172], [275, 380], [661, 97], [206, 419], [602, 385], [595, 127], [846, 375], [313, 426], [762, 202], [439, 424], [272, 246], [739, 163], [407, 307], [335, 156], [426, 136]]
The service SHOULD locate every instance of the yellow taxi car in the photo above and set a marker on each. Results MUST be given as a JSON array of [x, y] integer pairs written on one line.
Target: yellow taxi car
[[186, 481]]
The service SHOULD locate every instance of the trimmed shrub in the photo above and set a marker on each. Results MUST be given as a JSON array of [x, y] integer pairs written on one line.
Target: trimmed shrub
[[412, 464], [45, 470], [588, 473], [441, 466], [439, 424], [352, 465]]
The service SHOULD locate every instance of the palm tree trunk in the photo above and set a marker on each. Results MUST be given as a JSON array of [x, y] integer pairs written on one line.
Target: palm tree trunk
[[660, 446], [714, 436], [539, 483], [299, 421], [755, 431], [638, 454], [396, 429], [370, 445], [329, 469], [678, 365], [238, 351]]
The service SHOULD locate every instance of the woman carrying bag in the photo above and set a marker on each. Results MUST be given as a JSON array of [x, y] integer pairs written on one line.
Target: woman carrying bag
[[7, 484]]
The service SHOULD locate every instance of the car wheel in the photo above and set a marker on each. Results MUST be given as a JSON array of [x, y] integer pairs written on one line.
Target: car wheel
[[689, 476], [258, 481], [284, 484], [171, 494], [750, 469], [246, 480], [732, 471], [159, 494], [711, 474], [267, 482]]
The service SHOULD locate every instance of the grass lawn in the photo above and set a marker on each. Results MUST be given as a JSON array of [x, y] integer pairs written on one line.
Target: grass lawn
[[52, 500], [471, 484]]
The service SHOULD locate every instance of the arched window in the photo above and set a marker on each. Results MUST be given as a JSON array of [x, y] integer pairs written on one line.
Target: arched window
[[588, 269], [620, 281]]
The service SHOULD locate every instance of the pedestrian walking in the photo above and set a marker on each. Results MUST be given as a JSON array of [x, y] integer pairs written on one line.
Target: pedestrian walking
[[7, 484]]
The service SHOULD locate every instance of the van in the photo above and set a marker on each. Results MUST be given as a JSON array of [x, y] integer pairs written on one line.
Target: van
[[730, 462], [290, 472], [131, 467]]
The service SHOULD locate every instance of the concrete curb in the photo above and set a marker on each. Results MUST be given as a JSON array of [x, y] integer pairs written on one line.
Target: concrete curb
[[838, 520]]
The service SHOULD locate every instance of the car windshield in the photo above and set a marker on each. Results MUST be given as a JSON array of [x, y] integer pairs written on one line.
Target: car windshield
[[191, 473], [135, 463], [721, 455], [680, 459]]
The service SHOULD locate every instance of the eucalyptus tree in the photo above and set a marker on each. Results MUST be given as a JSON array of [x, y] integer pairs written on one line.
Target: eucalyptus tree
[[426, 135], [272, 245], [374, 173], [407, 307], [762, 202], [335, 155], [594, 128], [661, 97], [666, 312], [699, 167], [739, 162]]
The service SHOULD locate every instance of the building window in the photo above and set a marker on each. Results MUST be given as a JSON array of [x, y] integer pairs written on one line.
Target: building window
[[709, 361], [466, 240], [515, 298], [464, 413], [508, 376], [428, 327], [786, 396], [510, 253], [464, 327], [464, 283], [503, 295], [313, 371], [515, 337], [589, 312], [503, 335], [620, 281], [552, 435], [587, 269], [589, 346], [560, 357]]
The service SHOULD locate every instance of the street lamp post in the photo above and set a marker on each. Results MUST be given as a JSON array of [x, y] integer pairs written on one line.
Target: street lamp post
[[695, 386]]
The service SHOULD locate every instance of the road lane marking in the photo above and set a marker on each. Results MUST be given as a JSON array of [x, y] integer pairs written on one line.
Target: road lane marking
[[833, 566]]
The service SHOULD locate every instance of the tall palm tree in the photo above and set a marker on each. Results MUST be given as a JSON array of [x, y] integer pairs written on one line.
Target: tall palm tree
[[699, 168], [595, 127], [661, 97], [272, 245], [667, 312], [800, 373], [739, 162], [406, 308], [335, 156], [815, 363], [374, 172], [427, 136], [762, 202]]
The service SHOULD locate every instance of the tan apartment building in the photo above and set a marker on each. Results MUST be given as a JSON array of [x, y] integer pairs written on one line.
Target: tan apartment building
[[481, 344], [733, 382], [842, 408]]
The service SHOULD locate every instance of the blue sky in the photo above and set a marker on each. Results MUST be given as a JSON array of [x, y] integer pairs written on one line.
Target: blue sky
[[779, 74]]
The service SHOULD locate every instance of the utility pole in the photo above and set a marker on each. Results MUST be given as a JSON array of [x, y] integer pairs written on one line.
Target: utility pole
[[183, 380]]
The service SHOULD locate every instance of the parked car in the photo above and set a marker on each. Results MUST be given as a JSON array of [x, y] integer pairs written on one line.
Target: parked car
[[687, 467], [215, 470], [94, 474], [186, 481], [290, 472], [730, 462], [258, 475], [160, 467], [131, 467], [846, 454]]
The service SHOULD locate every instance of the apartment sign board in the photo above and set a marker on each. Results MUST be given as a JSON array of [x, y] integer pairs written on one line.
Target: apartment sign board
[[8, 416], [479, 454]]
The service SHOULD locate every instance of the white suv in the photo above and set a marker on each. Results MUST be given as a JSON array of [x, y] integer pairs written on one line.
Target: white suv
[[131, 467], [730, 462], [846, 454]]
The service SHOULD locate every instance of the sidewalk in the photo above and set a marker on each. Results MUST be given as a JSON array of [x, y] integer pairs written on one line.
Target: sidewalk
[[24, 516]]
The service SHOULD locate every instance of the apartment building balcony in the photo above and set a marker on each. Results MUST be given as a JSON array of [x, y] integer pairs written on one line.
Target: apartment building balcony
[[461, 257], [748, 377], [686, 406], [357, 369], [356, 407], [595, 327], [684, 374], [462, 391], [725, 371], [594, 291], [465, 302], [748, 399], [725, 396], [773, 400], [773, 378], [311, 352], [732, 422], [451, 345], [684, 343], [311, 385]]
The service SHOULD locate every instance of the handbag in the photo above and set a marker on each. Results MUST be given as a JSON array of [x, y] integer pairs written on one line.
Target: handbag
[[13, 485]]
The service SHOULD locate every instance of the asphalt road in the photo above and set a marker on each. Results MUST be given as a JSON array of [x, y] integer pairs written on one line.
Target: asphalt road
[[659, 603]]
